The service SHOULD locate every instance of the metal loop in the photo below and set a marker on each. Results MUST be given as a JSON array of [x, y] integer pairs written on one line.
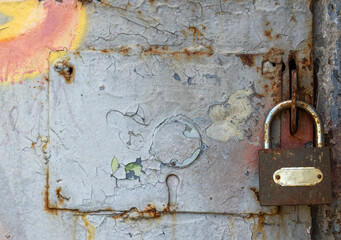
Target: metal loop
[[287, 104]]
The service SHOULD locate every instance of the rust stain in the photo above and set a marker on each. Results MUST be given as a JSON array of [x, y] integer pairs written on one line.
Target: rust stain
[[187, 52], [255, 192], [306, 64], [273, 53], [66, 70], [166, 208], [89, 227], [60, 196], [46, 195], [273, 57], [151, 1], [44, 147], [247, 59], [259, 227], [54, 210], [124, 50], [275, 91], [104, 50], [149, 212], [195, 33], [268, 33]]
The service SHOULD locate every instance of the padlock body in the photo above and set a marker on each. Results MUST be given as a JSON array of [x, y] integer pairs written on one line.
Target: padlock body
[[274, 194]]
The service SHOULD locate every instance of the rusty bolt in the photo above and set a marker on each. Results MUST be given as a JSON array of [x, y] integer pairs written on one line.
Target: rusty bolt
[[319, 176], [278, 177]]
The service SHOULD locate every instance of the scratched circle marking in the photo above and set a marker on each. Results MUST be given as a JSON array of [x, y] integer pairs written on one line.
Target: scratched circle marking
[[177, 142]]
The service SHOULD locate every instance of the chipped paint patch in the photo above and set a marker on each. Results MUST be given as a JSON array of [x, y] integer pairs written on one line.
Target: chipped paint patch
[[174, 138], [33, 30], [114, 165], [134, 169], [228, 116]]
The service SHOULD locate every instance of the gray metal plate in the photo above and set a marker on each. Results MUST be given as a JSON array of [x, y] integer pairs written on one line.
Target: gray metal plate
[[123, 114]]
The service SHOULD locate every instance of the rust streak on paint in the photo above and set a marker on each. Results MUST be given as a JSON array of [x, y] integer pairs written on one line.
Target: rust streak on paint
[[46, 195], [60, 196], [273, 54], [267, 33], [306, 64], [259, 227], [187, 52], [166, 209], [89, 227], [196, 34], [255, 192], [247, 59], [124, 50], [134, 214]]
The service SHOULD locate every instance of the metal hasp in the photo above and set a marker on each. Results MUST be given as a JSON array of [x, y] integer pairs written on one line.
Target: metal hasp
[[294, 176]]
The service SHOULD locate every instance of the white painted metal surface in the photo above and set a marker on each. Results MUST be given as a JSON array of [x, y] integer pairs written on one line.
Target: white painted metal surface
[[143, 65]]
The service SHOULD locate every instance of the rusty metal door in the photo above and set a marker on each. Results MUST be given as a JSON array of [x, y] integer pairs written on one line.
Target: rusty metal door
[[185, 102], [148, 109]]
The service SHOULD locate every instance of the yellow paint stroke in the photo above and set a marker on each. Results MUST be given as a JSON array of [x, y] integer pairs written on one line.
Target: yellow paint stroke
[[33, 30], [89, 227], [23, 16]]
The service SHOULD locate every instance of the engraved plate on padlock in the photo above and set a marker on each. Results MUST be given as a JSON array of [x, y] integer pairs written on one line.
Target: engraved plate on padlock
[[298, 176]]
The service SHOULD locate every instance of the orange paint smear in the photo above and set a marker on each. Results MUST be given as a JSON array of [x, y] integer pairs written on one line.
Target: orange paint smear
[[27, 54]]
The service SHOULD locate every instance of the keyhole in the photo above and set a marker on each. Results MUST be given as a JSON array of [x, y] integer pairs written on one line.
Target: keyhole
[[172, 182]]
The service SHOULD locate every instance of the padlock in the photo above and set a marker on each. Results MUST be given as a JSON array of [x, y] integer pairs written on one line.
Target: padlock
[[294, 176]]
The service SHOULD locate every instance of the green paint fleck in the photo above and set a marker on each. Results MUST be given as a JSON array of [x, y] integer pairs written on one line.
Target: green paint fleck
[[134, 169], [114, 165]]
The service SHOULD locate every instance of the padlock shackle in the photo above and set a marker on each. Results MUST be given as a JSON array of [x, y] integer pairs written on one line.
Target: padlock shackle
[[285, 105]]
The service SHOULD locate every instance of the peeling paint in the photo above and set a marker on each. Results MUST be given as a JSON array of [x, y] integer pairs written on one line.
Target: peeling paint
[[134, 170], [171, 58], [114, 165], [170, 129], [215, 77], [229, 116]]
